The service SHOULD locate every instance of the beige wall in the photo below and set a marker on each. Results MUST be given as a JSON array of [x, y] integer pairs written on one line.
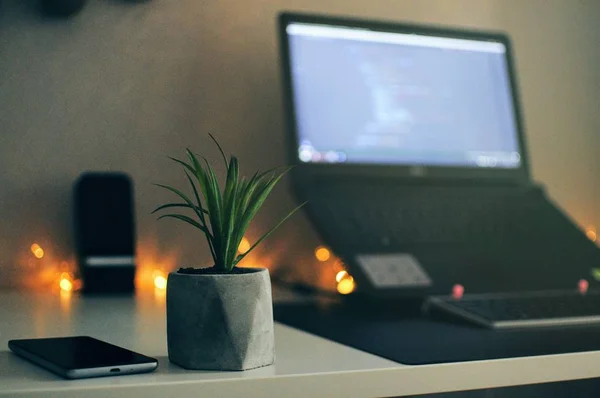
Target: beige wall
[[126, 83]]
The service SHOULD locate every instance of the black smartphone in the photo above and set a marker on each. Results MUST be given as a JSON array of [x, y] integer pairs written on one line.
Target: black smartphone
[[80, 357]]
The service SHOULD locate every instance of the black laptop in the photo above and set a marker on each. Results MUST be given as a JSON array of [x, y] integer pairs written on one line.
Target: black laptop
[[409, 146]]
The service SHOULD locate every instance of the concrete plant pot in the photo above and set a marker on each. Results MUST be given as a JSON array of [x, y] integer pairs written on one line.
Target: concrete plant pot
[[220, 321]]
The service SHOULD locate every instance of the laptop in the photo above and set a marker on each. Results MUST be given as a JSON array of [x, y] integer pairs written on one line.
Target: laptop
[[409, 146]]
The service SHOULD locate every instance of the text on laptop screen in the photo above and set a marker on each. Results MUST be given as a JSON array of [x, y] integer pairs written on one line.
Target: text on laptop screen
[[370, 97]]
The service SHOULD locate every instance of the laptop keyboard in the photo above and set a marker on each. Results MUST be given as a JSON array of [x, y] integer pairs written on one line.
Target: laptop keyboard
[[430, 217], [526, 310]]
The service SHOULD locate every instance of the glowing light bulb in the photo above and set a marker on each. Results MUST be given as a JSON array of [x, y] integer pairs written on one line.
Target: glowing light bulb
[[65, 285], [340, 275], [244, 245], [322, 253], [591, 233], [583, 286], [458, 291], [37, 250], [346, 285], [160, 282]]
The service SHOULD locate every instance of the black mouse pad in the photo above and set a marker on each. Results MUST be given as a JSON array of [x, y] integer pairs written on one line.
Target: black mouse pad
[[400, 333]]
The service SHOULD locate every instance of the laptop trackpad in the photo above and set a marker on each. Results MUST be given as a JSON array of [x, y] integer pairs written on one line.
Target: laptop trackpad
[[393, 270]]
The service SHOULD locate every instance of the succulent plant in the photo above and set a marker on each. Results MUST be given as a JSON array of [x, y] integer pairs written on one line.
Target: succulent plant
[[223, 215]]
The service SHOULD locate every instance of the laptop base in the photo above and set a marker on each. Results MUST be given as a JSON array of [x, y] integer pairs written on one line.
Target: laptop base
[[398, 331]]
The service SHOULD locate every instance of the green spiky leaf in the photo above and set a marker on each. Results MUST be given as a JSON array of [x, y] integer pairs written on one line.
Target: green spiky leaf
[[220, 149], [266, 235], [182, 205], [187, 200], [223, 215], [186, 219]]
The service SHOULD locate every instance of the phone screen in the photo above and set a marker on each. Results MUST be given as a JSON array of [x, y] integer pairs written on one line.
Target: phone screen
[[81, 352]]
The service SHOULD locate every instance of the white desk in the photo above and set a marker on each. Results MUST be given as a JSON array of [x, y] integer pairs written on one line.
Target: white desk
[[306, 366]]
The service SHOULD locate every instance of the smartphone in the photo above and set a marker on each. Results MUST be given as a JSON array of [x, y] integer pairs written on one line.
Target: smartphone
[[80, 357]]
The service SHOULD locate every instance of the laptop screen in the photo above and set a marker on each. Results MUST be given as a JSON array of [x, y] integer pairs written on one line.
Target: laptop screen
[[370, 97]]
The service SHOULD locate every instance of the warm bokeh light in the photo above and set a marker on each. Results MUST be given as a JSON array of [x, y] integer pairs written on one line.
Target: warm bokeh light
[[77, 284], [152, 262], [160, 282], [65, 285], [340, 275], [37, 250], [322, 253], [591, 233], [458, 291], [244, 246], [346, 285]]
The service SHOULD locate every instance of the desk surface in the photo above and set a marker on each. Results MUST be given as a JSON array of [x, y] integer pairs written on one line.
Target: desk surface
[[306, 365]]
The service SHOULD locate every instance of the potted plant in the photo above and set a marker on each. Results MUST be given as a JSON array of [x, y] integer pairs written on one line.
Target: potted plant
[[221, 317]]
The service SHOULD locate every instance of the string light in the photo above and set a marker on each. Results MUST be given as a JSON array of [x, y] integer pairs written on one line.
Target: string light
[[160, 282], [583, 286], [65, 282], [37, 250], [591, 233], [322, 253], [458, 291], [244, 246], [340, 275], [346, 285]]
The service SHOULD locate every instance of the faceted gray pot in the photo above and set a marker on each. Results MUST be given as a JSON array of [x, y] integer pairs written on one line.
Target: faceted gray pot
[[220, 321]]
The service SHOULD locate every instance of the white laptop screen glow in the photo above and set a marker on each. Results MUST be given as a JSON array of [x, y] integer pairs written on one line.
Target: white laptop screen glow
[[369, 97]]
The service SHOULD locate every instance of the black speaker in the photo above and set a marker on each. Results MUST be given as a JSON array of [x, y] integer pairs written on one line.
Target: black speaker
[[105, 232]]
